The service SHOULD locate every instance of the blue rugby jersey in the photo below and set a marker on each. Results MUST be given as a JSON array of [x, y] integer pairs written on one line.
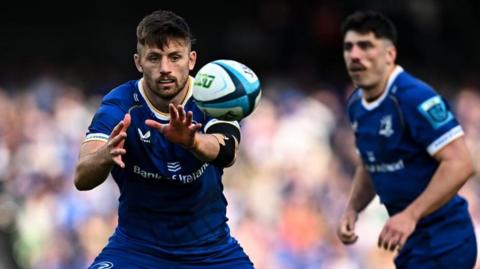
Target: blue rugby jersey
[[168, 198], [396, 136]]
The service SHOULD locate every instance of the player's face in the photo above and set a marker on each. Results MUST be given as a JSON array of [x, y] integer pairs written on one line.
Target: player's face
[[367, 58], [166, 70]]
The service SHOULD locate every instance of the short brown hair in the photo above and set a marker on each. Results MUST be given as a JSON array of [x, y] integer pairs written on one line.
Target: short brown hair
[[158, 28]]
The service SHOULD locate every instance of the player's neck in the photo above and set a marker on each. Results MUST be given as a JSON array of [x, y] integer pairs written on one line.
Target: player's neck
[[373, 93]]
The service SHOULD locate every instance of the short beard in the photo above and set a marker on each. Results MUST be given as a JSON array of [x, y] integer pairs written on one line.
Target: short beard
[[172, 95]]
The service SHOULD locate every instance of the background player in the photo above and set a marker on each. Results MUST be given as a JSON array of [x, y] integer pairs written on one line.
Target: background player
[[172, 211], [413, 154]]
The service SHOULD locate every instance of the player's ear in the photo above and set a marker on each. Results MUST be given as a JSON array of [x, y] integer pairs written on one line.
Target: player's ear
[[136, 59], [391, 54], [192, 59]]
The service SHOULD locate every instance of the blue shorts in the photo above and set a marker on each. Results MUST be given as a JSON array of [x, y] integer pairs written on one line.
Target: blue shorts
[[462, 256], [122, 253]]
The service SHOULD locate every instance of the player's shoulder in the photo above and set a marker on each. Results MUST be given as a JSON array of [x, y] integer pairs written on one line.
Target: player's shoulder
[[122, 95], [411, 90], [354, 98]]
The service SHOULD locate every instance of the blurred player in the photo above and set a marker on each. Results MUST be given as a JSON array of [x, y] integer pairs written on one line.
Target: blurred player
[[167, 158], [413, 154]]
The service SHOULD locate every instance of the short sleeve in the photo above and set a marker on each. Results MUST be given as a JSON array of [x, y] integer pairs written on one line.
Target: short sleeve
[[430, 119], [106, 118]]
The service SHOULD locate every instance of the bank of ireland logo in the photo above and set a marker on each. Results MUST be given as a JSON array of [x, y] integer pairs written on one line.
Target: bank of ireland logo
[[174, 166], [103, 265], [144, 137], [386, 128]]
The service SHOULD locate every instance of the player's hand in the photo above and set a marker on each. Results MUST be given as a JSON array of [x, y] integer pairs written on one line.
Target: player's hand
[[396, 231], [116, 141], [180, 130], [346, 229]]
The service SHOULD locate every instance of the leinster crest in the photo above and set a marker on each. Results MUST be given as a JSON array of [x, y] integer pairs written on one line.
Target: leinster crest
[[386, 127]]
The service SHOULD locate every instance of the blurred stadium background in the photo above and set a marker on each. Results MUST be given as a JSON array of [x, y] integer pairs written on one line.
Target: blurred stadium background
[[290, 183]]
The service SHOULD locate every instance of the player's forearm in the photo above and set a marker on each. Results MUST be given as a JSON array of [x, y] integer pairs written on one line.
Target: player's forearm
[[450, 176], [92, 169], [362, 191], [207, 148]]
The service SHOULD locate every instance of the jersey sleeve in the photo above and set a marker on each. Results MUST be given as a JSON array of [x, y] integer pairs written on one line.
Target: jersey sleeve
[[430, 119], [106, 118]]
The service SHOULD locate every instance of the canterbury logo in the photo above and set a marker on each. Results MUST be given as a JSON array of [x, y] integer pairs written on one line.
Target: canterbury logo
[[174, 166], [103, 265], [145, 137]]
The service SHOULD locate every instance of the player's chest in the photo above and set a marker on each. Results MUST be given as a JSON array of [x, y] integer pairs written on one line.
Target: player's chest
[[148, 146], [379, 133]]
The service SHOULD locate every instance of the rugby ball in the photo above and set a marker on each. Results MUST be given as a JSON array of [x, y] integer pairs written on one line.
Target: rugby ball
[[226, 90]]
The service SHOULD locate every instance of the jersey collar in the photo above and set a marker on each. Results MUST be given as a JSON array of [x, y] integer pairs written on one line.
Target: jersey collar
[[159, 114], [371, 105]]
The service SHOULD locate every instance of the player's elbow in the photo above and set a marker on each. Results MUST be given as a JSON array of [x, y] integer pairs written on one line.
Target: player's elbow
[[469, 168], [464, 166], [80, 185], [80, 182]]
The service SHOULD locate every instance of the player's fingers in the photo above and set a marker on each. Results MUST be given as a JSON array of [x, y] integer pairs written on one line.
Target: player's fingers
[[118, 161], [116, 140], [189, 118], [344, 230], [381, 237], [118, 151], [173, 112], [181, 113], [153, 124], [348, 239], [386, 241], [394, 244], [353, 239], [117, 129], [195, 127], [346, 234], [401, 242], [350, 225], [126, 121]]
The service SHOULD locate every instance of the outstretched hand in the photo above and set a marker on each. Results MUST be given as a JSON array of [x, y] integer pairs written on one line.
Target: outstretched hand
[[116, 141], [180, 130]]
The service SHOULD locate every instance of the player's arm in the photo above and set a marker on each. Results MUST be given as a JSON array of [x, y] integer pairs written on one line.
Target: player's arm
[[97, 158], [361, 194], [218, 146], [453, 171]]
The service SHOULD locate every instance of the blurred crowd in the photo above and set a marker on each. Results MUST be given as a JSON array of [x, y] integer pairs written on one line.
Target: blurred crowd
[[286, 191]]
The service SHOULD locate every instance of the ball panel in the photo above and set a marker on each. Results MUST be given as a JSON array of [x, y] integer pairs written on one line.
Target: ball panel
[[254, 99], [248, 74], [235, 109], [212, 82], [245, 75]]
